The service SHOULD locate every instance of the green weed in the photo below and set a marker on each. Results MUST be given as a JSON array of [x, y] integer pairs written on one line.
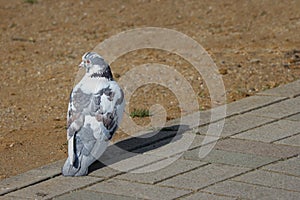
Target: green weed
[[140, 113], [30, 1]]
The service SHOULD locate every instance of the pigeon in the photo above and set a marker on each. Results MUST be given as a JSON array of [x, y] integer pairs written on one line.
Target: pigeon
[[95, 111]]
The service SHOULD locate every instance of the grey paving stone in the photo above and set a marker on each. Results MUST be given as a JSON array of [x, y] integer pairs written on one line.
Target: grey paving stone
[[201, 118], [122, 149], [53, 187], [239, 107], [201, 140], [203, 176], [293, 141], [271, 179], [30, 177], [100, 170], [85, 194], [257, 148], [159, 142], [122, 159], [156, 165], [287, 90], [207, 196], [271, 132], [195, 119], [279, 110], [13, 198], [295, 117], [290, 166], [249, 191], [133, 162], [179, 144], [236, 124], [231, 158], [167, 147], [137, 190], [153, 176], [251, 103]]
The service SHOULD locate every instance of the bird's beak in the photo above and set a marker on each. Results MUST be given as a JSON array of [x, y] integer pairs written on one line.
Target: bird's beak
[[81, 64]]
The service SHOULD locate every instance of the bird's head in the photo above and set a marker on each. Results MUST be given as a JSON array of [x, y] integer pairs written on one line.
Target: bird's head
[[95, 65]]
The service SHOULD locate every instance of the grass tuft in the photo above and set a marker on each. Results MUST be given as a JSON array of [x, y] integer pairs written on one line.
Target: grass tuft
[[140, 113], [30, 1]]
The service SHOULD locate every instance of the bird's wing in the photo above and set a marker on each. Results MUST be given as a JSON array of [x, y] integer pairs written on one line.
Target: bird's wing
[[79, 102], [107, 107]]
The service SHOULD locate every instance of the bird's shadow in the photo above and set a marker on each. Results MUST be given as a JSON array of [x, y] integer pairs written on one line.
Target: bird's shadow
[[137, 145]]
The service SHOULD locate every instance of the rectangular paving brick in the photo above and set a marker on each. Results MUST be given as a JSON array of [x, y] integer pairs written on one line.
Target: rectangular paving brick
[[271, 132], [207, 196], [279, 110], [123, 160], [54, 187], [238, 107], [249, 191], [201, 140], [251, 103], [198, 118], [141, 139], [86, 195], [13, 198], [178, 144], [271, 179], [287, 90], [290, 166], [257, 148], [235, 124], [293, 141], [118, 149], [231, 158], [170, 147], [193, 120], [30, 177], [295, 117], [100, 170], [162, 170], [137, 190], [133, 162], [203, 176], [155, 165]]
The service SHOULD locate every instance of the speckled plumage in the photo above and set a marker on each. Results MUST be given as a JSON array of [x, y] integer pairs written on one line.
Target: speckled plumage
[[95, 110]]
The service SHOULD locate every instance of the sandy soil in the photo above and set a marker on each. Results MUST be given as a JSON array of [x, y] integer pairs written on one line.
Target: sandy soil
[[255, 44]]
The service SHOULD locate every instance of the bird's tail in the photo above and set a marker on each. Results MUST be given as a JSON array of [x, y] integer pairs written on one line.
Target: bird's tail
[[82, 156], [79, 167]]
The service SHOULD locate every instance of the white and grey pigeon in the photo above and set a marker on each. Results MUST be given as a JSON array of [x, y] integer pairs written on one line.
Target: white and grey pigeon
[[95, 111]]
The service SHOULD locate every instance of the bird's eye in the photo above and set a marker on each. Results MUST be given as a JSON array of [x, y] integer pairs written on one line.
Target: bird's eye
[[88, 61]]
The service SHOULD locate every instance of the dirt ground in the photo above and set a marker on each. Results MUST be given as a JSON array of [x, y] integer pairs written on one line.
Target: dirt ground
[[255, 44]]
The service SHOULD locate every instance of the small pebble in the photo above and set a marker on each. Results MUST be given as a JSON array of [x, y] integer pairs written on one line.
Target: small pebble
[[223, 71], [254, 60]]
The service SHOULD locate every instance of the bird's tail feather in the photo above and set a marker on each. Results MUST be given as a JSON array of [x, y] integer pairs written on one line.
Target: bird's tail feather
[[79, 164], [79, 168]]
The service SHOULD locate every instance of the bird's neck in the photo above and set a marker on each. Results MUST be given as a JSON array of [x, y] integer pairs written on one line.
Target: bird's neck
[[100, 74]]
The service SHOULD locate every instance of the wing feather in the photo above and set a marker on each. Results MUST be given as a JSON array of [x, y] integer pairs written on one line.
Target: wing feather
[[110, 100]]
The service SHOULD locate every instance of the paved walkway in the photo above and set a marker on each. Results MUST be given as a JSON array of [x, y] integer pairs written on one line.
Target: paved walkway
[[256, 157]]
